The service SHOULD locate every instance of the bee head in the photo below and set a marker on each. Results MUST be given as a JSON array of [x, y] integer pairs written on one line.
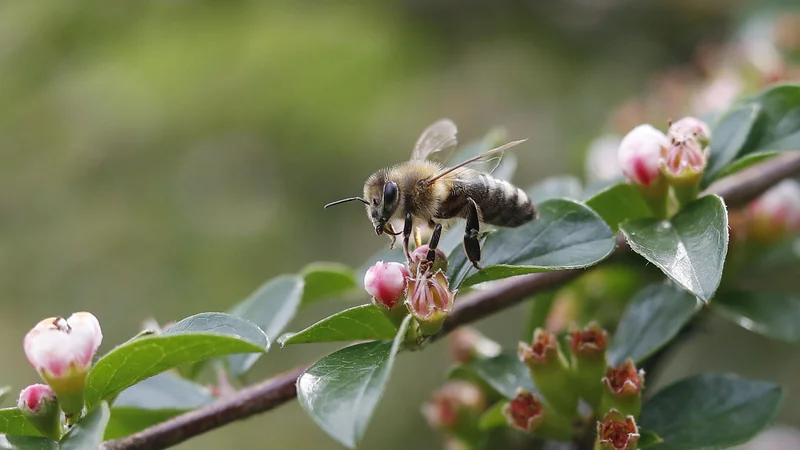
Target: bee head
[[383, 199]]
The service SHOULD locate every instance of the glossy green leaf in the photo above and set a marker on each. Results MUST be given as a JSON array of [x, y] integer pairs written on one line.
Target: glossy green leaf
[[780, 108], [745, 162], [567, 235], [775, 315], [340, 391], [12, 422], [325, 280], [365, 322], [648, 439], [88, 433], [505, 373], [568, 187], [729, 138], [710, 411], [493, 417], [690, 248], [26, 443], [193, 339], [271, 307], [619, 203], [653, 317]]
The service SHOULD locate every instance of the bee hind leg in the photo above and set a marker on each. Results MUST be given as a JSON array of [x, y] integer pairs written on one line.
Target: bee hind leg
[[472, 245], [407, 228], [434, 241]]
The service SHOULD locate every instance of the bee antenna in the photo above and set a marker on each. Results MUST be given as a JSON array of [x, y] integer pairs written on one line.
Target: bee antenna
[[345, 200]]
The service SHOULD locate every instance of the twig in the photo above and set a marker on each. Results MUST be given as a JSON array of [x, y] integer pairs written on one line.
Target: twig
[[737, 190]]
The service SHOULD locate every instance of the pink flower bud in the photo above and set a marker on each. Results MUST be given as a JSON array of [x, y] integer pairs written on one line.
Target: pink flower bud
[[429, 300], [386, 282], [684, 162], [420, 255], [690, 128], [776, 213], [617, 432], [38, 403], [35, 397], [640, 154]]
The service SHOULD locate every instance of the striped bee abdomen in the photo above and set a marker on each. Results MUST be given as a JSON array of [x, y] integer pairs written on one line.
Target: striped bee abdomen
[[500, 202]]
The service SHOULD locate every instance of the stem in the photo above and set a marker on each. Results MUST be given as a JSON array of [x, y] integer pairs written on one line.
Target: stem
[[737, 190]]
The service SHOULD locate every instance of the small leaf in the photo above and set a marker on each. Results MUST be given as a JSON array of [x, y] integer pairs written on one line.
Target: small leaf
[[325, 280], [619, 203], [567, 235], [710, 411], [568, 187], [729, 139], [365, 322], [653, 318], [88, 433], [271, 307], [493, 417], [690, 248], [193, 339], [648, 439], [745, 162], [774, 315], [12, 422], [505, 373], [340, 391], [26, 443]]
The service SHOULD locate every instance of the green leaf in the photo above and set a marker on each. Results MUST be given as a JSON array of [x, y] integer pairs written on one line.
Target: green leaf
[[88, 433], [26, 443], [775, 315], [648, 439], [567, 235], [654, 317], [619, 203], [193, 339], [12, 422], [568, 187], [780, 108], [271, 307], [365, 322], [710, 411], [504, 373], [126, 421], [745, 162], [340, 391], [690, 248], [493, 417], [729, 138], [325, 280]]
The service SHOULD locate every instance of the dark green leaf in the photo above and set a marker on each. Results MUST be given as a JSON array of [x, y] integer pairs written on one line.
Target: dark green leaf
[[340, 391], [710, 411], [26, 443], [568, 187], [690, 248], [648, 439], [745, 162], [566, 235], [505, 373], [619, 203], [493, 417], [88, 433], [12, 422], [193, 339], [365, 322], [780, 108], [729, 138], [775, 315], [325, 280], [654, 316], [271, 307]]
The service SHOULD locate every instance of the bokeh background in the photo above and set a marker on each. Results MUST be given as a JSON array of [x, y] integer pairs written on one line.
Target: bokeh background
[[159, 159]]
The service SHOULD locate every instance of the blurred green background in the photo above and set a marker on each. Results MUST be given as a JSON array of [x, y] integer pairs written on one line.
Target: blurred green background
[[159, 159]]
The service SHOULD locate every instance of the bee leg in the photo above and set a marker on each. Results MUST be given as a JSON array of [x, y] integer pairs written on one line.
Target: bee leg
[[434, 241], [472, 245], [407, 228]]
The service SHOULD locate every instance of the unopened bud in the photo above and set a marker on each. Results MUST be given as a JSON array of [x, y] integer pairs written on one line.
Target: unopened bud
[[386, 282], [467, 345], [429, 300], [527, 412], [776, 213], [639, 155], [690, 128], [550, 371], [617, 432], [588, 348], [61, 350], [420, 255], [38, 403], [623, 389], [456, 408]]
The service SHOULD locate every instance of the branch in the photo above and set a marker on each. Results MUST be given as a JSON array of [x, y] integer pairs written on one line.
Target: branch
[[737, 190]]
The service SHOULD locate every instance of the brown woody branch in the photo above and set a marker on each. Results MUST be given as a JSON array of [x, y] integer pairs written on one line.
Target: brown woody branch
[[737, 190]]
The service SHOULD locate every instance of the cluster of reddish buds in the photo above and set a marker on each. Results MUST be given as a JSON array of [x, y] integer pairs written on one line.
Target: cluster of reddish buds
[[423, 285], [61, 350], [654, 161]]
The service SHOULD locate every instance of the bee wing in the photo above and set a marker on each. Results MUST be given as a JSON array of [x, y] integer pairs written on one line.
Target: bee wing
[[487, 157], [440, 135]]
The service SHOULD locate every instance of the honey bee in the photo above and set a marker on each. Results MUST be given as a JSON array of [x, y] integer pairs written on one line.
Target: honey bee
[[421, 193]]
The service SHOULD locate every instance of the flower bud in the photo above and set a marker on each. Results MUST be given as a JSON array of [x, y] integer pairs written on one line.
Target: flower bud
[[61, 350], [456, 408], [550, 371], [527, 412], [467, 345], [38, 403], [420, 255], [640, 152], [617, 432], [588, 347], [776, 213], [429, 300], [683, 165], [623, 389], [690, 128], [386, 282]]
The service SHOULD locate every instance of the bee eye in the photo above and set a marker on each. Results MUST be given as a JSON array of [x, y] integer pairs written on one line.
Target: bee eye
[[389, 192]]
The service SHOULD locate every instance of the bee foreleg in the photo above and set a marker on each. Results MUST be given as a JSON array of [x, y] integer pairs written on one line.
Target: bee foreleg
[[407, 228], [472, 245], [434, 241]]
